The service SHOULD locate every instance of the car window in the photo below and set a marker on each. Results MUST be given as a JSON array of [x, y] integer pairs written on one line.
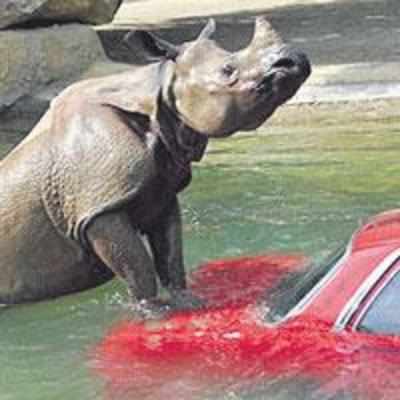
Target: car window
[[296, 285], [383, 316]]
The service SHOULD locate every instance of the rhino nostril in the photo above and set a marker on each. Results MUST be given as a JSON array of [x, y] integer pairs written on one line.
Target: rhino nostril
[[285, 62]]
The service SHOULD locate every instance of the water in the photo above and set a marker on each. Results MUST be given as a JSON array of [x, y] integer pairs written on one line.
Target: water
[[303, 183]]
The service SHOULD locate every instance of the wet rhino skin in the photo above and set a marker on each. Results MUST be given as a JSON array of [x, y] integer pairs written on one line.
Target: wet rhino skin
[[91, 192]]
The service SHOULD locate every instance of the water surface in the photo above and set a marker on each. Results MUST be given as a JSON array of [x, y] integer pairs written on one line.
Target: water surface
[[302, 183]]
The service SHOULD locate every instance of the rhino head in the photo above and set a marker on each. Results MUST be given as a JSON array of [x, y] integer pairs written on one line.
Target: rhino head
[[216, 92]]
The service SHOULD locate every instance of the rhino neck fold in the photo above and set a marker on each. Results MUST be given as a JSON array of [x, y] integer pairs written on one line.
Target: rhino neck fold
[[182, 142]]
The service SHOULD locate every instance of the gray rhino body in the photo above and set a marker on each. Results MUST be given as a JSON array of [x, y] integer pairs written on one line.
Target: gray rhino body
[[102, 169]]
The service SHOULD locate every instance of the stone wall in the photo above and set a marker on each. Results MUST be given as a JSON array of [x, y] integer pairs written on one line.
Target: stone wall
[[42, 51], [17, 12]]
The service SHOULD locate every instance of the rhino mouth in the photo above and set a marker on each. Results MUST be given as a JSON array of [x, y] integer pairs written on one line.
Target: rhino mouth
[[283, 76], [265, 85]]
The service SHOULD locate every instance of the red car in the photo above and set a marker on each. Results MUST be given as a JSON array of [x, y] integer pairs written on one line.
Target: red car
[[333, 329]]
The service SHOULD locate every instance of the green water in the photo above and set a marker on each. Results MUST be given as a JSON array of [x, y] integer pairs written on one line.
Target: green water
[[299, 184]]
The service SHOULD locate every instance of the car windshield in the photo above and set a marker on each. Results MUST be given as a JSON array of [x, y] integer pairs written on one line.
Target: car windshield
[[296, 285]]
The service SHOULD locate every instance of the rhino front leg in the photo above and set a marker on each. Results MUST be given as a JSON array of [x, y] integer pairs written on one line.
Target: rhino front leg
[[166, 243], [121, 248]]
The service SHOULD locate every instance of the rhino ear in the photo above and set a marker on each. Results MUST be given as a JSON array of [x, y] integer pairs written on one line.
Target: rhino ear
[[153, 47], [191, 51], [208, 30]]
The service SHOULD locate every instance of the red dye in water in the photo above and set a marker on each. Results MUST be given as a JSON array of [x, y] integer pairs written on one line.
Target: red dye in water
[[227, 345]]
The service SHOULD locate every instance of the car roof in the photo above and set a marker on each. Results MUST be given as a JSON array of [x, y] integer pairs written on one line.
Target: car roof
[[373, 248], [380, 230]]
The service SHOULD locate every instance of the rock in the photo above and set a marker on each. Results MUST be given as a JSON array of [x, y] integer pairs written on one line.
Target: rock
[[31, 60], [35, 65], [16, 12]]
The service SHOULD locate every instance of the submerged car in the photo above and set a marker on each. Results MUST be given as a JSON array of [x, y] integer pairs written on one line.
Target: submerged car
[[274, 317]]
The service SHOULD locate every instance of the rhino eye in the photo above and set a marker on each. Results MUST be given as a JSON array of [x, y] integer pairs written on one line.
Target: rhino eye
[[228, 70]]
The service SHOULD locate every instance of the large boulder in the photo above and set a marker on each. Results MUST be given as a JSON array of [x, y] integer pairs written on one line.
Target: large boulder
[[15, 12], [35, 65]]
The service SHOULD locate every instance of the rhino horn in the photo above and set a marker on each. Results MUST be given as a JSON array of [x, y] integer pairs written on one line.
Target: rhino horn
[[264, 34]]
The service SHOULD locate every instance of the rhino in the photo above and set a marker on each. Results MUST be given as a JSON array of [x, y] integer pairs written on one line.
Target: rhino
[[91, 192]]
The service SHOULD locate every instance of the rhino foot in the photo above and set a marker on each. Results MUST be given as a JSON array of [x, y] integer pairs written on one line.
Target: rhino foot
[[150, 309], [157, 308]]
